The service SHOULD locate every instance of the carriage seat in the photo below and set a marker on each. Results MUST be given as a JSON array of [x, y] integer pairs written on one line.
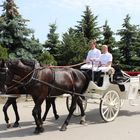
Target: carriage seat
[[98, 77]]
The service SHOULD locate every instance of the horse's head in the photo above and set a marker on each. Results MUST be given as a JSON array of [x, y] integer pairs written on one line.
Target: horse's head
[[7, 72], [12, 70]]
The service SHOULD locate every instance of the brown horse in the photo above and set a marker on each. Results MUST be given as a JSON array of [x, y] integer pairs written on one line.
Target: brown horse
[[13, 101], [42, 83]]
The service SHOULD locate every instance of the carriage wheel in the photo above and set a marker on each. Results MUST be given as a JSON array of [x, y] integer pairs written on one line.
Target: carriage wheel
[[110, 106], [77, 111]]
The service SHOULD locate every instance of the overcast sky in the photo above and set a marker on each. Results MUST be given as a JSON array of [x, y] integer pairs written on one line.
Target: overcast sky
[[66, 13]]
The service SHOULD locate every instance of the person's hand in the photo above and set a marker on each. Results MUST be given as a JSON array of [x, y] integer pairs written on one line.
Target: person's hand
[[92, 59]]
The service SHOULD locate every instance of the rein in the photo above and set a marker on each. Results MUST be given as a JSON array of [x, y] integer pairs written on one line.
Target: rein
[[67, 66], [33, 72], [60, 89], [20, 81]]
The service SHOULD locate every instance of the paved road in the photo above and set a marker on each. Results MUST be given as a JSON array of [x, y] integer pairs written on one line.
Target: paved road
[[125, 127]]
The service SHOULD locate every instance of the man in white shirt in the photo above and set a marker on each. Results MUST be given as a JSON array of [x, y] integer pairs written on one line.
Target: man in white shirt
[[105, 60], [92, 56]]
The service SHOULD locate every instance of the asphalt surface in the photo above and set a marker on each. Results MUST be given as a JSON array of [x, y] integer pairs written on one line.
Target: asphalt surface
[[125, 127]]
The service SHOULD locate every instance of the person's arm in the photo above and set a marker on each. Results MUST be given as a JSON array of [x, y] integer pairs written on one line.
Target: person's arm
[[109, 63]]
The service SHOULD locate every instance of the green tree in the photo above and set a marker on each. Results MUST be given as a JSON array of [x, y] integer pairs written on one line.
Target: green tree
[[14, 35], [128, 35], [109, 40], [73, 48], [47, 58], [52, 43], [135, 59], [88, 25]]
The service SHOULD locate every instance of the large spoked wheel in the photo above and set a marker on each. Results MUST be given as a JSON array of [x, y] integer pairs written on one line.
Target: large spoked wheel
[[110, 105], [77, 111]]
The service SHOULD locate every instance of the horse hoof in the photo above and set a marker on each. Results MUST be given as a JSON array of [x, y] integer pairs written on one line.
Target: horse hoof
[[63, 128], [56, 117], [41, 130], [8, 125], [16, 125], [82, 122], [36, 131]]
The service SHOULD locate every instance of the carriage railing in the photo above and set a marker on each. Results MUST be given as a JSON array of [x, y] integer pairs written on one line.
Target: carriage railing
[[126, 78]]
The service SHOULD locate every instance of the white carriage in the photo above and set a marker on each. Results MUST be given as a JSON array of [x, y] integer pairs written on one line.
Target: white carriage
[[111, 95]]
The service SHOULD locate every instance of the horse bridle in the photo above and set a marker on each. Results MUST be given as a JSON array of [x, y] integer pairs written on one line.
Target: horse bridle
[[4, 79], [3, 74]]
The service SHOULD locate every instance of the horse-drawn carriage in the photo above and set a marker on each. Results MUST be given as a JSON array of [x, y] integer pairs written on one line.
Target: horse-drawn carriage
[[111, 95], [18, 76]]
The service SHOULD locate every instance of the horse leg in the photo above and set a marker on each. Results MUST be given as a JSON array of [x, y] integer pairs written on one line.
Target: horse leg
[[72, 108], [48, 105], [37, 115], [80, 104], [54, 108], [50, 101], [14, 104], [5, 107]]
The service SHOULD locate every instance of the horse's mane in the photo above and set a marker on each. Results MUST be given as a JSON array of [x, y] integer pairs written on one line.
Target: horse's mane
[[28, 62]]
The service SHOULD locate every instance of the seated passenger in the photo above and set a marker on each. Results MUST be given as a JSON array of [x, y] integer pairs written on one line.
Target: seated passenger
[[105, 60], [92, 56]]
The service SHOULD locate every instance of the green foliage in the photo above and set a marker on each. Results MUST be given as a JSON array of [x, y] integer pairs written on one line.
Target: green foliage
[[73, 48], [52, 41], [88, 25], [52, 44], [3, 53], [47, 58], [15, 36], [128, 44], [18, 41], [109, 40]]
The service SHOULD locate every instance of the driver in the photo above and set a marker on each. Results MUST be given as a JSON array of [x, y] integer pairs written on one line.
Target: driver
[[92, 56]]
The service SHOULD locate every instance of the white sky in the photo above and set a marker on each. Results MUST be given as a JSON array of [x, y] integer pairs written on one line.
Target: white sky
[[66, 13]]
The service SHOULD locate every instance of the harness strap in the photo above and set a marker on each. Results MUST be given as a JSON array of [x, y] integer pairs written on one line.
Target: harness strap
[[73, 82], [50, 88]]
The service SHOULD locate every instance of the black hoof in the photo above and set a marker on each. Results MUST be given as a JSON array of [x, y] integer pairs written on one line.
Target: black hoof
[[63, 128], [8, 125], [56, 117], [41, 129], [82, 122], [36, 130], [16, 125]]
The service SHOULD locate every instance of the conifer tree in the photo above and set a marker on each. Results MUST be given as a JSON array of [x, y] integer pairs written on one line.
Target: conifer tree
[[52, 43], [88, 25], [109, 40], [128, 35], [73, 48], [14, 34]]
